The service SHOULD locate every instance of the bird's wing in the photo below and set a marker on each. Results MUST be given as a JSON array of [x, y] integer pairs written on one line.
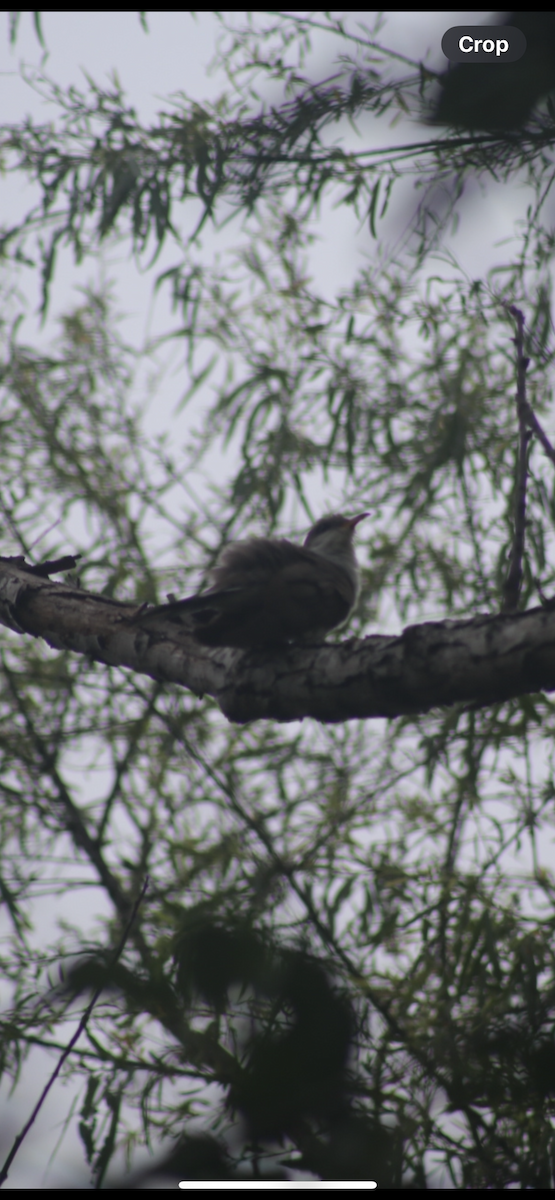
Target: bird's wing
[[222, 598], [265, 590], [313, 596], [255, 561], [274, 572]]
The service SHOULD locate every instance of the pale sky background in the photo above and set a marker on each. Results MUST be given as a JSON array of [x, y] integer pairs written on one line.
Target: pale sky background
[[173, 56]]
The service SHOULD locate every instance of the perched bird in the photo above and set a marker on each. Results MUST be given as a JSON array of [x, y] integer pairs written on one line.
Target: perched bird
[[267, 591]]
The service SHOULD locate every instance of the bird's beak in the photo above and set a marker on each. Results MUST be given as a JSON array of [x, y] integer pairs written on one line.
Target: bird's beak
[[353, 521]]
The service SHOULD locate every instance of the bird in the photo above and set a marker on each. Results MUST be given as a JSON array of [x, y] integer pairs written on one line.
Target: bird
[[269, 591]]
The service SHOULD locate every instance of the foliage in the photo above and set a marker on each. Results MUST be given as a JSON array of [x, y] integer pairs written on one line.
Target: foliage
[[100, 170], [344, 962]]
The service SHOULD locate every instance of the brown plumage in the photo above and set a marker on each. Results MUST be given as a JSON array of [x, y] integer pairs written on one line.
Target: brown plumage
[[268, 591]]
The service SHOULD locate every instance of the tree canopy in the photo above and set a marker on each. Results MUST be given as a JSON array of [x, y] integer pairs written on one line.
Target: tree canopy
[[342, 963]]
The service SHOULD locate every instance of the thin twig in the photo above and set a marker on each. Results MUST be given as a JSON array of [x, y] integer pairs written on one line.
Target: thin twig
[[80, 1028], [514, 575], [74, 823], [534, 425]]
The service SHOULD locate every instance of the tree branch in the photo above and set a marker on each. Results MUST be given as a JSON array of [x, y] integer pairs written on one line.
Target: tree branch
[[484, 660], [534, 425], [514, 576]]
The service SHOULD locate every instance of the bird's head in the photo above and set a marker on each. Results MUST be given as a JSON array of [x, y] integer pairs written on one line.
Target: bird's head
[[332, 537]]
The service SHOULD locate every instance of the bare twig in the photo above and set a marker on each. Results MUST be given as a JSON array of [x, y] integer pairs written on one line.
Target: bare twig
[[73, 821], [65, 1053], [547, 602], [514, 575], [534, 425]]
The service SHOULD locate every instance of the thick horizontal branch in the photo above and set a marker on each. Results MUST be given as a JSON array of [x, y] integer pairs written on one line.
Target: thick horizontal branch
[[483, 660]]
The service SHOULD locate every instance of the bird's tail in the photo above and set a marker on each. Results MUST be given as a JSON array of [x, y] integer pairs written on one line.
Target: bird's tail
[[191, 605]]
